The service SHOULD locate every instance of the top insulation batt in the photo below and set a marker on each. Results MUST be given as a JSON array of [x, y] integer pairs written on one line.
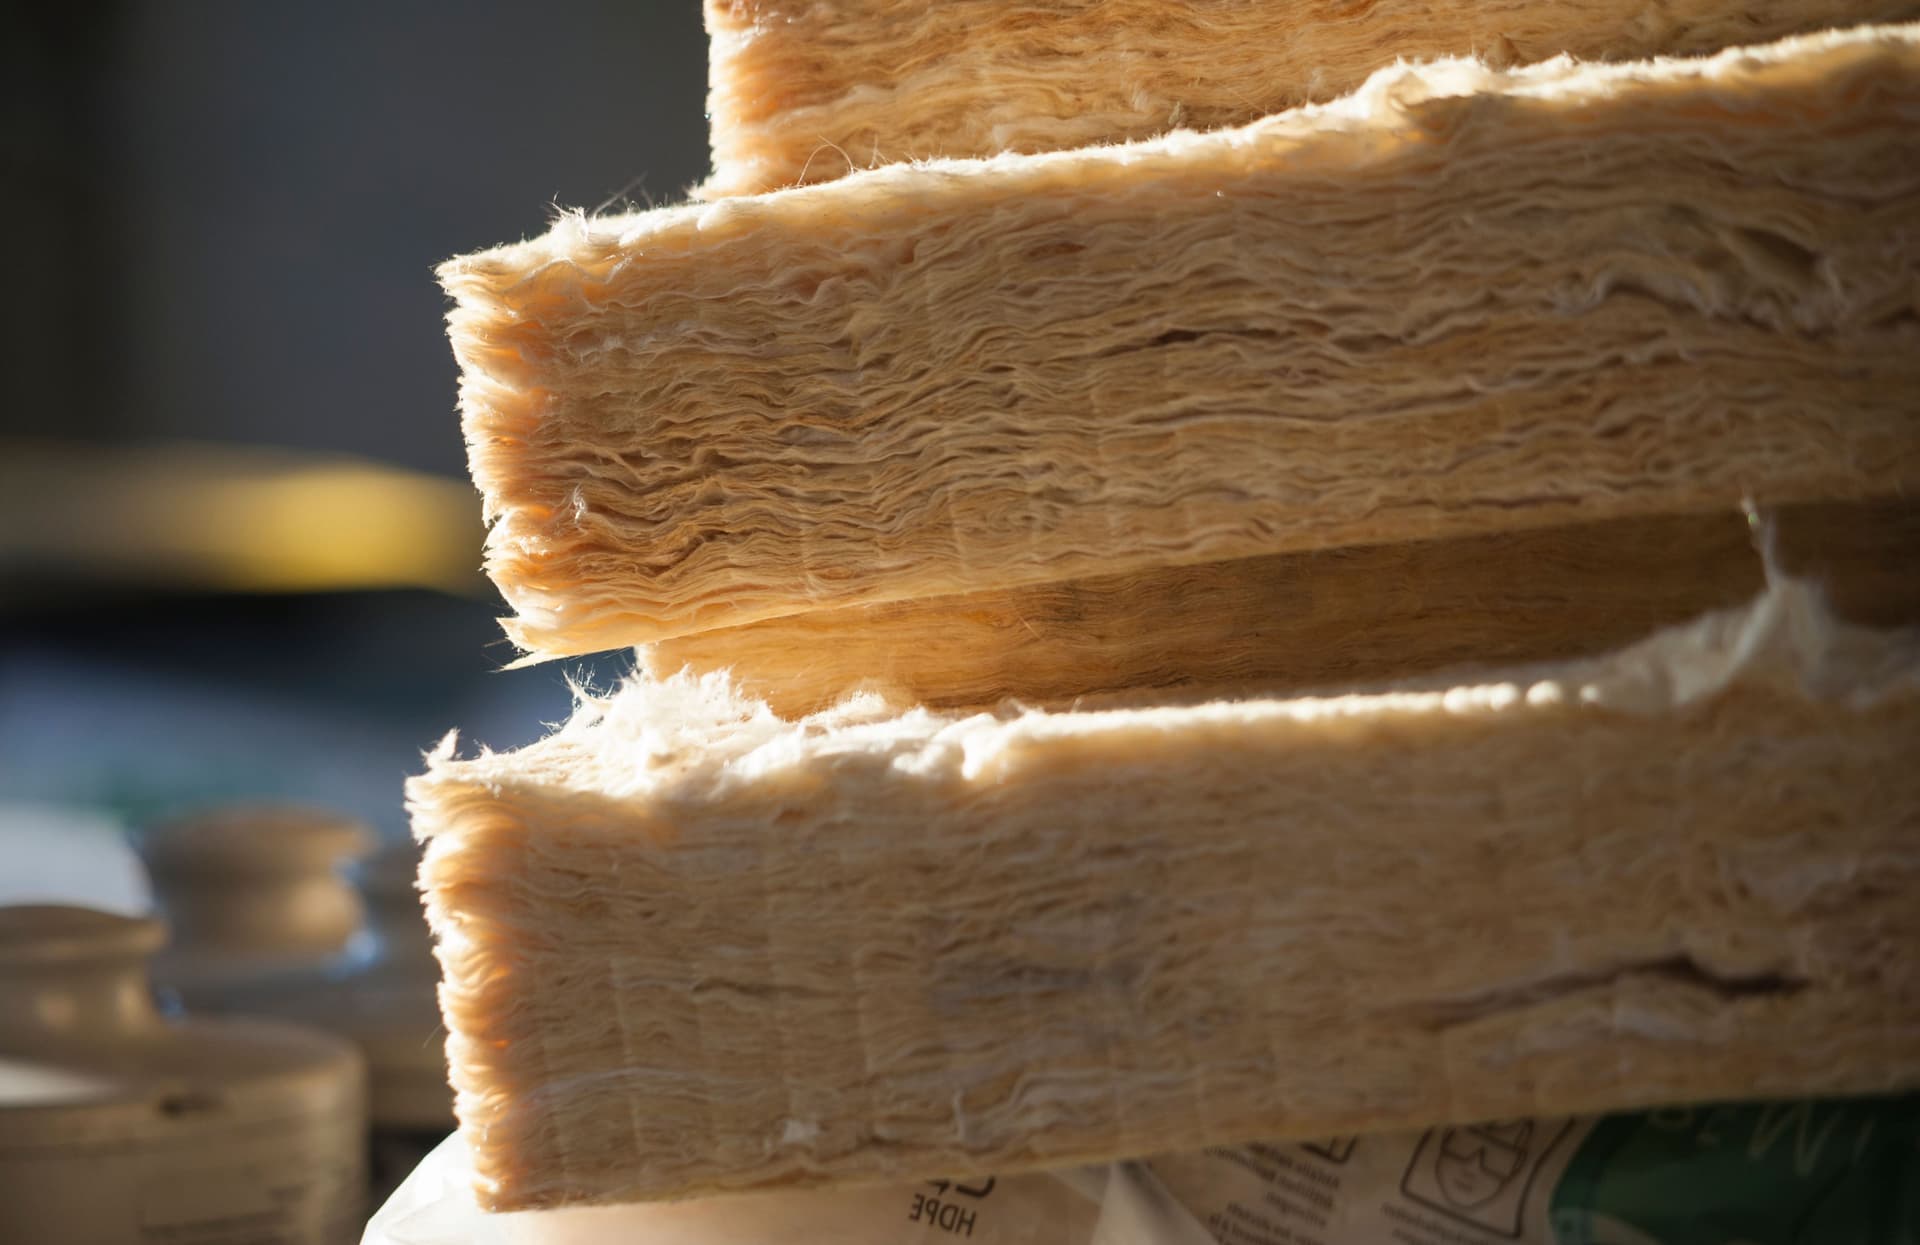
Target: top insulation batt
[[806, 92], [1461, 300]]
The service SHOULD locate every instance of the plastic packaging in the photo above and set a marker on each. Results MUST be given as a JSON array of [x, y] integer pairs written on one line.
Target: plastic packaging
[[1806, 1172], [1811, 1172], [1117, 1205]]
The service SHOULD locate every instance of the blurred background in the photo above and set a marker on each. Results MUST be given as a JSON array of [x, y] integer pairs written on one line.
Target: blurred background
[[238, 553]]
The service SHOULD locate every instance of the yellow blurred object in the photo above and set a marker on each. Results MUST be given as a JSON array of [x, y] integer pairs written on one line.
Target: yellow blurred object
[[234, 518]]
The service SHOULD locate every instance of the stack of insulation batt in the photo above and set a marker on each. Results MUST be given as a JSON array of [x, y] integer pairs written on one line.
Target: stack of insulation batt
[[1392, 612]]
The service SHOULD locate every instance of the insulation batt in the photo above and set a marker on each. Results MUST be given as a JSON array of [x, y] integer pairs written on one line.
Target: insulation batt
[[691, 947], [803, 91], [1461, 300], [1331, 616]]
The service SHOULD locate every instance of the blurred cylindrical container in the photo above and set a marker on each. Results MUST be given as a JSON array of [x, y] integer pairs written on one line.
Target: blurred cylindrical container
[[270, 924], [254, 894], [388, 1004], [121, 1127]]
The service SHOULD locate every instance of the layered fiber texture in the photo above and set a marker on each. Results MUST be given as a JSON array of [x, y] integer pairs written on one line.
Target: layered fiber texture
[[1299, 621], [803, 91], [1460, 301], [689, 946]]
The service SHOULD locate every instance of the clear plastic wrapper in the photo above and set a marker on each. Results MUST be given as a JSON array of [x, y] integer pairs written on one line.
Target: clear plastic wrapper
[[1810, 1172], [1122, 1204]]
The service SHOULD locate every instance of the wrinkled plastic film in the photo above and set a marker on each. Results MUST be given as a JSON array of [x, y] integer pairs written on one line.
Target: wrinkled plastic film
[[1797, 1172]]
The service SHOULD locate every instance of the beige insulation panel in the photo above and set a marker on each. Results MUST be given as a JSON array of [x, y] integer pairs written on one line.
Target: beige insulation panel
[[1304, 620], [689, 946], [1460, 301], [804, 91]]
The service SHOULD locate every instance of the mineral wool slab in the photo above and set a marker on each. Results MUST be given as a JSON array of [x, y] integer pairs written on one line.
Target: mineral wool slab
[[1301, 621], [689, 946], [1461, 300], [806, 92]]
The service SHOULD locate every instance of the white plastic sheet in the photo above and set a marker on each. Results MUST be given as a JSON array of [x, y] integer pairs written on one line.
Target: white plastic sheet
[[1808, 1172], [1122, 1204]]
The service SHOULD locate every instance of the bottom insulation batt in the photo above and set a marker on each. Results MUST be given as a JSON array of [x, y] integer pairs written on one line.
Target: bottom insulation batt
[[691, 947]]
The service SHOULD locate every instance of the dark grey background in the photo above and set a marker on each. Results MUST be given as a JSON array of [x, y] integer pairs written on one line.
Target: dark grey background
[[223, 215], [221, 219]]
